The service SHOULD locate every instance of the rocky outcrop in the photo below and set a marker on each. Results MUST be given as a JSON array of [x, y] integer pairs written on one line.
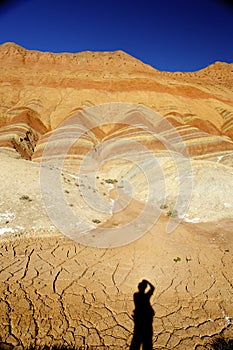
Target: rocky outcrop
[[22, 132]]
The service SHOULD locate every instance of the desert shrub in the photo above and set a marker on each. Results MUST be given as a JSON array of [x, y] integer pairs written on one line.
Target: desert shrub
[[96, 221], [25, 197], [163, 206], [110, 181], [177, 259], [172, 213]]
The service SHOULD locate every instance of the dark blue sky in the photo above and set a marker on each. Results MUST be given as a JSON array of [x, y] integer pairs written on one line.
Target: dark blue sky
[[178, 35]]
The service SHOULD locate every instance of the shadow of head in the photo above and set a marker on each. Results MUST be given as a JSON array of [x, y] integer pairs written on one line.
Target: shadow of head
[[142, 286]]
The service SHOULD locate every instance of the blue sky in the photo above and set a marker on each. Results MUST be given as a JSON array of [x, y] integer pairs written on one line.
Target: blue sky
[[178, 35]]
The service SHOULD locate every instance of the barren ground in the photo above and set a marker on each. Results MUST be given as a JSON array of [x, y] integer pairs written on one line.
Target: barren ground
[[54, 289]]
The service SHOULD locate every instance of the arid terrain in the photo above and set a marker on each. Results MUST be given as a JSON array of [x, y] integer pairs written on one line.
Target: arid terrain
[[112, 172]]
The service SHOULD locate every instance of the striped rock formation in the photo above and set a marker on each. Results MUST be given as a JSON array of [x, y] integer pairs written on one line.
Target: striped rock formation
[[50, 87]]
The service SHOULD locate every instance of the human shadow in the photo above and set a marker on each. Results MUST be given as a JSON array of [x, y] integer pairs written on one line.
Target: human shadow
[[143, 317], [219, 343]]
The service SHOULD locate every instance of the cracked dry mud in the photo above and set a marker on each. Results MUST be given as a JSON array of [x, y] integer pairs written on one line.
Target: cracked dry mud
[[55, 290]]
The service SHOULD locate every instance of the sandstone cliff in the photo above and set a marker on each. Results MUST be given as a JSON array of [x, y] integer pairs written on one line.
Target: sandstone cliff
[[49, 87]]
